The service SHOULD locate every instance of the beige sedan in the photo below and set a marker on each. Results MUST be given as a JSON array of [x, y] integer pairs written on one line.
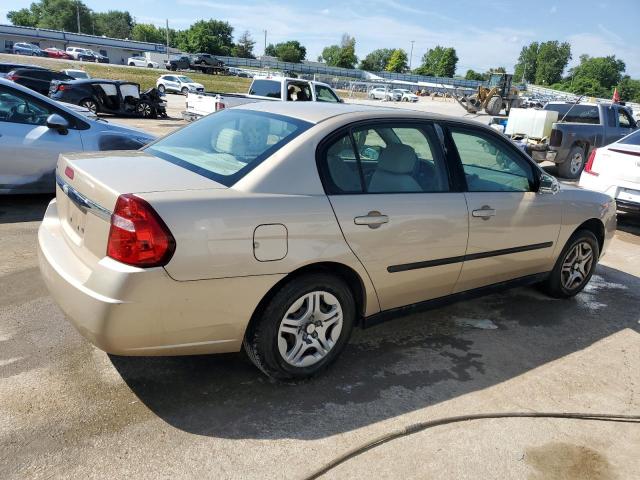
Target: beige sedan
[[278, 227]]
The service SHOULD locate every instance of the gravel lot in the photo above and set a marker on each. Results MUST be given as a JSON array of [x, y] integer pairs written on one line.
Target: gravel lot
[[68, 410]]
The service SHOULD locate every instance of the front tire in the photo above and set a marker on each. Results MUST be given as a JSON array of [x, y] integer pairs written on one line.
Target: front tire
[[574, 267], [161, 88], [573, 165], [303, 328], [494, 105]]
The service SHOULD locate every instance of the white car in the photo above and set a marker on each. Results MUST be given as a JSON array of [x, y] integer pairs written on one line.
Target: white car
[[381, 93], [178, 84], [615, 170], [406, 95], [79, 53], [141, 62]]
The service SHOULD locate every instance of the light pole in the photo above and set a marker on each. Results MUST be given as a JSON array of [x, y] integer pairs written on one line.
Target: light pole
[[78, 14], [265, 42], [411, 54]]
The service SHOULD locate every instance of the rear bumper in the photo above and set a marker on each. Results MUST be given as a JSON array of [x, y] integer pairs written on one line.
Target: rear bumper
[[618, 190], [131, 311]]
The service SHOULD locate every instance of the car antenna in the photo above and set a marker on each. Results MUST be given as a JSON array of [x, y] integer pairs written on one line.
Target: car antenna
[[577, 102]]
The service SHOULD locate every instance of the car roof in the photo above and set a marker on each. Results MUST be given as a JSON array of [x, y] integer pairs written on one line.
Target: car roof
[[316, 112]]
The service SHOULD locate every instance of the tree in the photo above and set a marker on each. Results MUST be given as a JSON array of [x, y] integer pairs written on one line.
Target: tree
[[527, 63], [343, 55], [551, 61], [398, 61], [377, 60], [244, 47], [114, 23], [473, 75], [606, 71], [629, 89], [438, 61], [291, 51], [207, 36], [147, 32], [54, 14]]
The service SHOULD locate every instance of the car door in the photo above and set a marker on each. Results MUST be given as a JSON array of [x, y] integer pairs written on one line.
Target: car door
[[28, 148], [512, 228], [388, 183]]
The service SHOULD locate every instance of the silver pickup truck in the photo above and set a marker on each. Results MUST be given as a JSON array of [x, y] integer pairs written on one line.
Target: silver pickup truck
[[275, 89], [581, 128]]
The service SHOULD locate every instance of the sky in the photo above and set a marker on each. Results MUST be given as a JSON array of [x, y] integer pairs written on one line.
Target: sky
[[485, 34]]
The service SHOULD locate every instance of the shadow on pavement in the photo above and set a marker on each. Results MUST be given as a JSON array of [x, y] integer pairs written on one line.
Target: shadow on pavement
[[23, 208], [389, 370]]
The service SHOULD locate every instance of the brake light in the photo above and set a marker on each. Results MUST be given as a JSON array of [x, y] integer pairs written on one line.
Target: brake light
[[138, 236], [588, 168], [12, 76], [62, 88], [69, 172], [555, 140], [220, 106]]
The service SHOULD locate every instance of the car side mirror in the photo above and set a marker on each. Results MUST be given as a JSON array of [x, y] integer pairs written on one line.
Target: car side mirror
[[548, 185], [59, 123]]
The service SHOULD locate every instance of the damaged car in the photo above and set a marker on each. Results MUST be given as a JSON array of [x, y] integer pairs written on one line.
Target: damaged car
[[35, 130], [110, 96]]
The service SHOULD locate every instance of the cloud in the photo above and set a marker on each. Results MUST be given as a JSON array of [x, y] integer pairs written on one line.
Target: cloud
[[602, 45], [553, 9]]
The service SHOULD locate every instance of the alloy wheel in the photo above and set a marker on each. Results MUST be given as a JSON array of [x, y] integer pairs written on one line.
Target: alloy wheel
[[144, 110], [310, 329], [90, 105], [576, 163], [577, 265]]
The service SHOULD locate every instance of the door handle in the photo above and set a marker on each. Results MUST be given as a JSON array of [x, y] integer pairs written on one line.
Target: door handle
[[484, 213], [373, 219]]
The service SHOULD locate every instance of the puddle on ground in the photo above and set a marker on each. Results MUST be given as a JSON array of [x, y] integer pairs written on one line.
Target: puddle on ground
[[481, 323]]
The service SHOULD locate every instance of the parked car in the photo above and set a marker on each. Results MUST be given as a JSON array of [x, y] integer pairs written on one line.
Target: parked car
[[262, 89], [238, 72], [405, 95], [204, 63], [36, 79], [57, 53], [5, 68], [110, 96], [615, 170], [82, 54], [380, 93], [178, 84], [99, 58], [77, 74], [21, 48], [36, 130], [581, 128], [202, 243], [141, 62]]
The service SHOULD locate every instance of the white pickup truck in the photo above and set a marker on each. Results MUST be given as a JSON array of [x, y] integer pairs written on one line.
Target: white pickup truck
[[275, 89]]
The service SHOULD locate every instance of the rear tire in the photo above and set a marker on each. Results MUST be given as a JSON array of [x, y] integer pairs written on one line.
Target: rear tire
[[131, 64], [303, 328], [89, 104], [574, 267], [573, 165], [185, 91], [494, 105]]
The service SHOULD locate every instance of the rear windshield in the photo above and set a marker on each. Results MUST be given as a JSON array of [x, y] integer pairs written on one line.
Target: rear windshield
[[632, 139], [577, 114], [265, 88], [226, 145]]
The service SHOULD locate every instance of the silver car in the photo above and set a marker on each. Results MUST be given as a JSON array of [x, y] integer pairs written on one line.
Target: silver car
[[35, 130], [277, 227]]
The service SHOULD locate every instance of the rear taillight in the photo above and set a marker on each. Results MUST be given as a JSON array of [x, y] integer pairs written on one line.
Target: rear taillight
[[138, 236], [62, 88], [220, 106], [13, 77], [555, 140], [588, 168]]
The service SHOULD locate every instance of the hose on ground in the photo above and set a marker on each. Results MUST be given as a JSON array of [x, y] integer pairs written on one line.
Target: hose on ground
[[420, 426]]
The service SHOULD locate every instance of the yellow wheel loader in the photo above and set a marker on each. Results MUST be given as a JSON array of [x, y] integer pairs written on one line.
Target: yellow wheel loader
[[496, 95]]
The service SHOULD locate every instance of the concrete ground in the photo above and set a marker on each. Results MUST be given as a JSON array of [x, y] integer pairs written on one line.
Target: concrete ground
[[68, 410]]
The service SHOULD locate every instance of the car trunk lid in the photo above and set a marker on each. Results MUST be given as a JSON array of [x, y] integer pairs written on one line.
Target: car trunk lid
[[88, 186], [619, 161]]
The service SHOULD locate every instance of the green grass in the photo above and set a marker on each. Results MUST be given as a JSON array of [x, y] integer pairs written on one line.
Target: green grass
[[146, 77]]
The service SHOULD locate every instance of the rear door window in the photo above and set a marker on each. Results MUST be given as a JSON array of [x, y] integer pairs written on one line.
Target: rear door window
[[575, 113], [325, 94], [265, 88], [624, 118]]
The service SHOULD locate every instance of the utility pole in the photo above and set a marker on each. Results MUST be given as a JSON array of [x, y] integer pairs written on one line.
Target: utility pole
[[167, 31], [411, 54], [265, 42], [78, 14]]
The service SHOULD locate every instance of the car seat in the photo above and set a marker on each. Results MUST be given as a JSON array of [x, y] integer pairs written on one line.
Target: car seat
[[396, 164]]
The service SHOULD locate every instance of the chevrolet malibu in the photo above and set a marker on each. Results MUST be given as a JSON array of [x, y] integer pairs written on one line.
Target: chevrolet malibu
[[278, 227]]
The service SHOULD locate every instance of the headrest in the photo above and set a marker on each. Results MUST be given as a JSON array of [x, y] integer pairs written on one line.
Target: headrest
[[229, 141], [397, 158]]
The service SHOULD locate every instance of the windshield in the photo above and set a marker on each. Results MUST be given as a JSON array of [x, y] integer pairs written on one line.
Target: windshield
[[226, 145], [184, 79], [633, 139]]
